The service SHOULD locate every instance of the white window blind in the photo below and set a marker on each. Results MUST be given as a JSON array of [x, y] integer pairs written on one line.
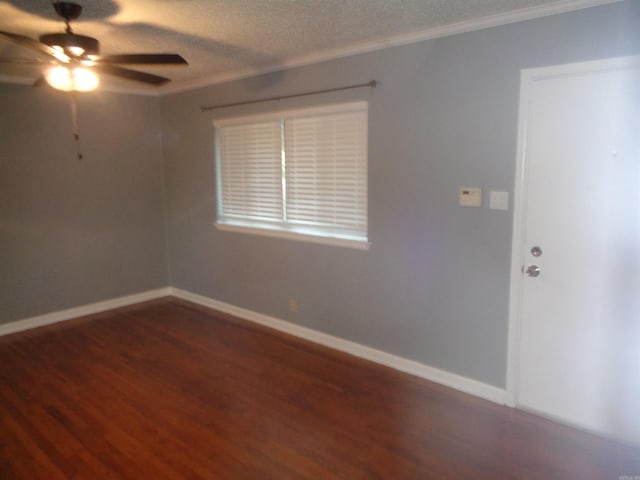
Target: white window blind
[[251, 174], [326, 172], [300, 172]]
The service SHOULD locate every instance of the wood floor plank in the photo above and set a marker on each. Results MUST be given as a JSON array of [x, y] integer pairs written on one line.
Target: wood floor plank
[[170, 390]]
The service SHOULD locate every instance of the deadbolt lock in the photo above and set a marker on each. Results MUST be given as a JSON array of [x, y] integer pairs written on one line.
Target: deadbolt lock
[[536, 251]]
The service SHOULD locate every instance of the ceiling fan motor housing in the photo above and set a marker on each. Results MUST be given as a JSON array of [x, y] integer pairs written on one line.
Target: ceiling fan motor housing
[[67, 10], [89, 45]]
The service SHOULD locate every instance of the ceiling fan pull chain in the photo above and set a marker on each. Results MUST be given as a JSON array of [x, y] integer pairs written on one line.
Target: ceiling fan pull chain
[[74, 121]]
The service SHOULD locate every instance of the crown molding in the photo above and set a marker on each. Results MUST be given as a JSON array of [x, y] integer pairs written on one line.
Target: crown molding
[[15, 80], [144, 92], [392, 41]]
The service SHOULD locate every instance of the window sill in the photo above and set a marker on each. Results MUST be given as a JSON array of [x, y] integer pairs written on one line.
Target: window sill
[[292, 235]]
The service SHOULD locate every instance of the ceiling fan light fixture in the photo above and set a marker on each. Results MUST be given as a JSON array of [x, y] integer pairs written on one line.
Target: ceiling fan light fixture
[[78, 57], [70, 42], [77, 51], [58, 52], [84, 80], [72, 79]]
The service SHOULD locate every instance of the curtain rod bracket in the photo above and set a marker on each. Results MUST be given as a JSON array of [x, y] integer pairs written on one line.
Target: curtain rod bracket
[[371, 84]]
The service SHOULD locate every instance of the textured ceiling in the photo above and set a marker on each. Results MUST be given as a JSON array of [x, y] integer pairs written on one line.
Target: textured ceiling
[[228, 38]]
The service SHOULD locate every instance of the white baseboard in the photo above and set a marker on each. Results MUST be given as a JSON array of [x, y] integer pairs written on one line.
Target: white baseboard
[[458, 382], [81, 311]]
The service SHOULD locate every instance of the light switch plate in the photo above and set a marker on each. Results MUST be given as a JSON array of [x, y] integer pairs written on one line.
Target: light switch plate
[[498, 200], [470, 197]]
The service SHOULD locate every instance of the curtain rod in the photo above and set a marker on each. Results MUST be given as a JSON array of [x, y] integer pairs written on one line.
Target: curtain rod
[[371, 84]]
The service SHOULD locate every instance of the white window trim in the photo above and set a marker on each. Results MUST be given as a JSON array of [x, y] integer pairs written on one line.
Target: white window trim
[[295, 235], [279, 230]]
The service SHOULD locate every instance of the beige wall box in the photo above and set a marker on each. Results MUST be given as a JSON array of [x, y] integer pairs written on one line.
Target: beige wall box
[[470, 197]]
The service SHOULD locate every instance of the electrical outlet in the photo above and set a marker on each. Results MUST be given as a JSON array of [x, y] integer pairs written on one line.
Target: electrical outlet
[[293, 305]]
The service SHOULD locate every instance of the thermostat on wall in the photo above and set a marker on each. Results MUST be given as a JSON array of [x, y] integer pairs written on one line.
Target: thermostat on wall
[[470, 197]]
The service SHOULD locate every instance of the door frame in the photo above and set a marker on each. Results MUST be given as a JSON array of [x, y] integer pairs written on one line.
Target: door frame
[[528, 78]]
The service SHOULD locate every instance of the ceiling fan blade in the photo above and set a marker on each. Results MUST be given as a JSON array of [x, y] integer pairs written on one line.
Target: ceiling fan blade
[[131, 74], [29, 43], [40, 81], [24, 61], [144, 59]]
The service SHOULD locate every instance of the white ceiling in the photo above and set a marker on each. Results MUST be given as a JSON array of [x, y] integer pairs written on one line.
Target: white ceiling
[[225, 39]]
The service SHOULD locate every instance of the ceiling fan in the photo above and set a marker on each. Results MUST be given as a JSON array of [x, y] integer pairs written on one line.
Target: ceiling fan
[[74, 60]]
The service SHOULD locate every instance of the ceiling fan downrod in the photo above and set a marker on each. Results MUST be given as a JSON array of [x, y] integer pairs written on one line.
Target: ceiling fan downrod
[[68, 11]]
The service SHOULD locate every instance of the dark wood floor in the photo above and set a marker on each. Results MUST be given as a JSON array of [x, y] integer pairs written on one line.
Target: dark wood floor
[[168, 390]]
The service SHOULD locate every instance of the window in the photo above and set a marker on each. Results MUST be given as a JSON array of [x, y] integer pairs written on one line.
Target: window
[[300, 173]]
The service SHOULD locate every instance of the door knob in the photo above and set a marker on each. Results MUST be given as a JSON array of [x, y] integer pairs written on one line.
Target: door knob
[[533, 271]]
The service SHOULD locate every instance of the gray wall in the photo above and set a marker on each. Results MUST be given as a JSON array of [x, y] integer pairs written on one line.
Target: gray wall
[[434, 286], [76, 232]]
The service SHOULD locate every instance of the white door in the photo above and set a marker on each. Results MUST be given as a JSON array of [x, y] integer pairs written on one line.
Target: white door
[[575, 305]]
